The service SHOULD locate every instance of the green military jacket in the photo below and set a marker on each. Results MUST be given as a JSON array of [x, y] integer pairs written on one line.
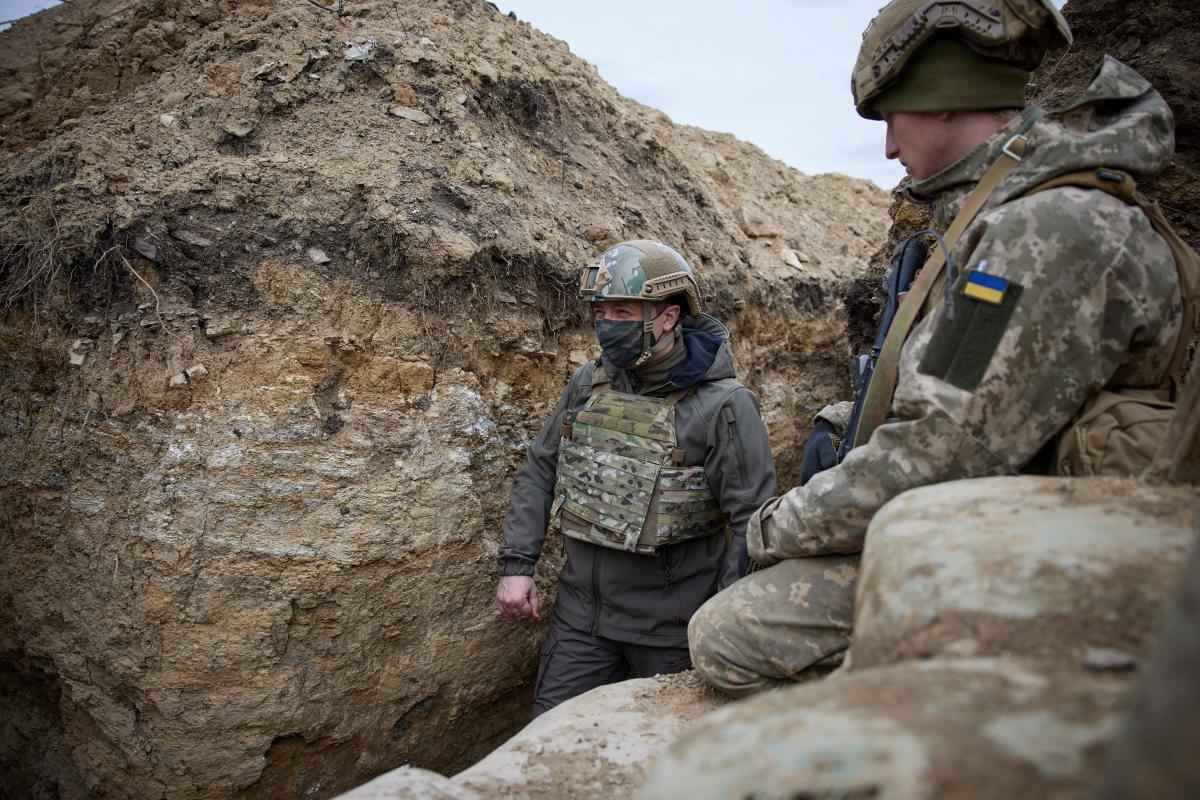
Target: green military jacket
[[1092, 302]]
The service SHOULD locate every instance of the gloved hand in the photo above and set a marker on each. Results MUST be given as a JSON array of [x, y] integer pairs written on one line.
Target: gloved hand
[[820, 452]]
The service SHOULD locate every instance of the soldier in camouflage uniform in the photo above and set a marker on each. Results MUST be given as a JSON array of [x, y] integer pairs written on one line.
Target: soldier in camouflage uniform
[[652, 462], [1084, 296]]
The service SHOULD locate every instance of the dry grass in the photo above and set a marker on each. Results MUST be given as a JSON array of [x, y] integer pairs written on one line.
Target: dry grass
[[38, 244], [32, 250]]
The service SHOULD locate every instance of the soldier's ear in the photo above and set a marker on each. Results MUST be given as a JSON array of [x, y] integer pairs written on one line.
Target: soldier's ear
[[671, 320]]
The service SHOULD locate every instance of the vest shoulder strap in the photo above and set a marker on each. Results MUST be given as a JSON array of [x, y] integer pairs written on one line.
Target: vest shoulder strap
[[1122, 186], [674, 397]]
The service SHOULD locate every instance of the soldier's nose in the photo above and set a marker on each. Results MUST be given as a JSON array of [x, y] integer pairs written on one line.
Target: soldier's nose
[[890, 148]]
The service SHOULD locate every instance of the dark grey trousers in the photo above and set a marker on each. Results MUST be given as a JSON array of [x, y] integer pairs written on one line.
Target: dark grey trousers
[[575, 661]]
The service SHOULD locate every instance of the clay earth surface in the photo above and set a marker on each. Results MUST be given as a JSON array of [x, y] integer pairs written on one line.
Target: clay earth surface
[[285, 294]]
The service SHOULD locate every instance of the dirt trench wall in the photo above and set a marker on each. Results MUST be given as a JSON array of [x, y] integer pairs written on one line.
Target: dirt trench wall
[[286, 295]]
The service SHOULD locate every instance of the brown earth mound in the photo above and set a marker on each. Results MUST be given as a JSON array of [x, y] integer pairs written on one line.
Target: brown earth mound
[[285, 293]]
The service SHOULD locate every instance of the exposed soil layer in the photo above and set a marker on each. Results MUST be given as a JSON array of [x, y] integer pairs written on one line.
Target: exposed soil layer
[[285, 295]]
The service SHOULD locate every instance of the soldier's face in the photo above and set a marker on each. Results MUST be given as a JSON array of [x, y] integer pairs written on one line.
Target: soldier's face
[[921, 141], [631, 310], [618, 310]]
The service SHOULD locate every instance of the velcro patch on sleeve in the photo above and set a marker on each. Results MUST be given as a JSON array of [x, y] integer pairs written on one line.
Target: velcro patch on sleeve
[[962, 346], [985, 288]]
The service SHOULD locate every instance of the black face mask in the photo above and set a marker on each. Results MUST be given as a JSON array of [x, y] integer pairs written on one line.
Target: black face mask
[[621, 341]]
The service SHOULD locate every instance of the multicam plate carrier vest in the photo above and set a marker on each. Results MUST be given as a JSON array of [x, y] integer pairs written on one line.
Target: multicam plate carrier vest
[[621, 483]]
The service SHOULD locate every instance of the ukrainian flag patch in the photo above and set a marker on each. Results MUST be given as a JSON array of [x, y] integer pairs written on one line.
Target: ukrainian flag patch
[[986, 288]]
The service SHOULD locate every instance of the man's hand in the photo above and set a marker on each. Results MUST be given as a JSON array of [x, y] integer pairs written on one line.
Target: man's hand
[[517, 597]]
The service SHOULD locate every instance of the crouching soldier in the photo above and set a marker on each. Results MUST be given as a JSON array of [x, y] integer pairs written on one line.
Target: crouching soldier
[[654, 452], [1046, 333]]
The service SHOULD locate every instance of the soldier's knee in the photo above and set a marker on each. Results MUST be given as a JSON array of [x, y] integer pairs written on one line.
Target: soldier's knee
[[714, 655], [720, 667]]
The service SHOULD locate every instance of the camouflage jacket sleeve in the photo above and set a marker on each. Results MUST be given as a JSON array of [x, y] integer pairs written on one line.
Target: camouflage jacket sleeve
[[533, 489], [739, 467], [1092, 300]]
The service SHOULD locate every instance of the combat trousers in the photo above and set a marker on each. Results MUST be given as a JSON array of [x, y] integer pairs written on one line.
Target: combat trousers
[[574, 662], [775, 626]]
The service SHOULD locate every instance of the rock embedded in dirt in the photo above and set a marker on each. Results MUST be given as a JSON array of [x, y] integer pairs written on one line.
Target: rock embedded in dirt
[[188, 237], [238, 129], [146, 249], [411, 114], [359, 52], [496, 175], [78, 352]]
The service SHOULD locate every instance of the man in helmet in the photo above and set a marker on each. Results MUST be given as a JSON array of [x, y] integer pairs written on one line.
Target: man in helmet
[[654, 452], [1059, 302]]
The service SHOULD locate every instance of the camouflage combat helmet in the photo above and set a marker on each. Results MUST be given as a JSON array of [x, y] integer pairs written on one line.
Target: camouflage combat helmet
[[1015, 32], [640, 270]]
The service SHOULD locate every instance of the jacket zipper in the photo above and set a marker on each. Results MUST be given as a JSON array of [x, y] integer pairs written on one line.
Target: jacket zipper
[[736, 444], [596, 593]]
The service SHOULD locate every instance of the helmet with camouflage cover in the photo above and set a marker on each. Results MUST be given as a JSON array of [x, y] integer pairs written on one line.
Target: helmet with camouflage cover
[[640, 270], [1017, 33]]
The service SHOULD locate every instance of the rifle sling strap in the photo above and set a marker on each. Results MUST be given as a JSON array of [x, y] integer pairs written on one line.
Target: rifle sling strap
[[1114, 182]]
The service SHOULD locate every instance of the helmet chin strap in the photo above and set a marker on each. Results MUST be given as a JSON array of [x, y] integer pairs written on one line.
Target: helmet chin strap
[[652, 344], [648, 339]]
